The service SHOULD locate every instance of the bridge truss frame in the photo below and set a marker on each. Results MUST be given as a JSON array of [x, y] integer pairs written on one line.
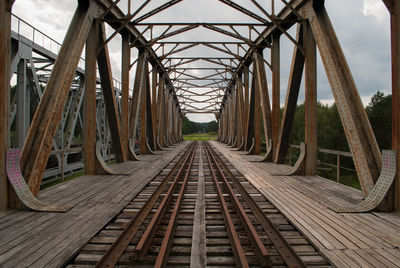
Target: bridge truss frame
[[238, 97]]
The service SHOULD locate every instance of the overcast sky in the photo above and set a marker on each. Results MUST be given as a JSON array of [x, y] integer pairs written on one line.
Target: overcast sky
[[362, 27]]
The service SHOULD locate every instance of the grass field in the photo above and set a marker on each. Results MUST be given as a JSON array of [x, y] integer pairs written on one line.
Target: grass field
[[200, 136]]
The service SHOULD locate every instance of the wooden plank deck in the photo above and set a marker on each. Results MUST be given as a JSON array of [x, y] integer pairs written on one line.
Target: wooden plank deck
[[348, 240], [38, 239]]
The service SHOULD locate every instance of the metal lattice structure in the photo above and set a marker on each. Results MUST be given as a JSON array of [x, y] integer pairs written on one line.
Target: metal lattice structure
[[229, 80]]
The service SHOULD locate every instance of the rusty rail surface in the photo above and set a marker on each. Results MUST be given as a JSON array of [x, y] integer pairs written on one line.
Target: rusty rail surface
[[112, 255], [233, 235], [285, 250], [166, 243], [145, 240]]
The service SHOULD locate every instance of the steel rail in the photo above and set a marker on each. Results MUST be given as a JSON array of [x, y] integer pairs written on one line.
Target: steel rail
[[144, 242], [287, 253], [112, 255], [259, 247], [238, 252], [167, 240]]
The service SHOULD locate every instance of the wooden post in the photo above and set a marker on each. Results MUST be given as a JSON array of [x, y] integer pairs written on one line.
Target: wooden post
[[257, 119], [161, 112], [262, 89], [126, 60], [394, 8], [144, 149], [310, 101], [292, 93], [276, 88], [107, 86], [250, 117], [89, 121], [5, 58], [138, 91], [149, 116], [245, 107], [154, 76]]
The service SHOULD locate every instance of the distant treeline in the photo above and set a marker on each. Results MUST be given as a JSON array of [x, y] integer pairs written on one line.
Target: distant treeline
[[189, 127], [330, 130]]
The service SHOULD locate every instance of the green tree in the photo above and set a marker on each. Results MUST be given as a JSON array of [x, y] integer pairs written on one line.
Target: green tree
[[379, 112]]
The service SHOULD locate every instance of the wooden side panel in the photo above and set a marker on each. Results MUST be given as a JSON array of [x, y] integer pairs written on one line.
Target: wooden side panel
[[107, 86], [39, 140], [361, 139]]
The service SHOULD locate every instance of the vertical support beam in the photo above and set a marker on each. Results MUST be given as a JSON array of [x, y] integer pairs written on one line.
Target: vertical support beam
[[310, 101], [257, 117], [39, 141], [126, 59], [149, 116], [239, 112], [138, 91], [292, 93], [23, 105], [394, 194], [89, 123], [161, 112], [154, 76], [245, 108], [167, 105], [359, 133], [262, 89], [144, 114], [5, 58], [250, 116], [107, 86], [276, 87]]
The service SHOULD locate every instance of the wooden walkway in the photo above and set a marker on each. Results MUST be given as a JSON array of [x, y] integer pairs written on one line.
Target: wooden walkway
[[37, 239], [348, 240]]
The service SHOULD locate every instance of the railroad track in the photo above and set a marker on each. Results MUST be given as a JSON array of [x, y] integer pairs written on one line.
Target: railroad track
[[199, 211]]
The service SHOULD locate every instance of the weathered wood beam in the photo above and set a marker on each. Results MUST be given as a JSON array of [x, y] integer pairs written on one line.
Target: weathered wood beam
[[89, 120], [394, 194], [144, 115], [5, 66], [247, 100], [39, 140], [107, 86], [125, 61], [154, 77], [292, 93], [161, 112], [361, 139], [276, 90], [149, 117], [138, 90], [310, 102], [262, 87]]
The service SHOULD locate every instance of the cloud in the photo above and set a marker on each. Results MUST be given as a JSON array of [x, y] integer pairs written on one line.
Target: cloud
[[361, 26]]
